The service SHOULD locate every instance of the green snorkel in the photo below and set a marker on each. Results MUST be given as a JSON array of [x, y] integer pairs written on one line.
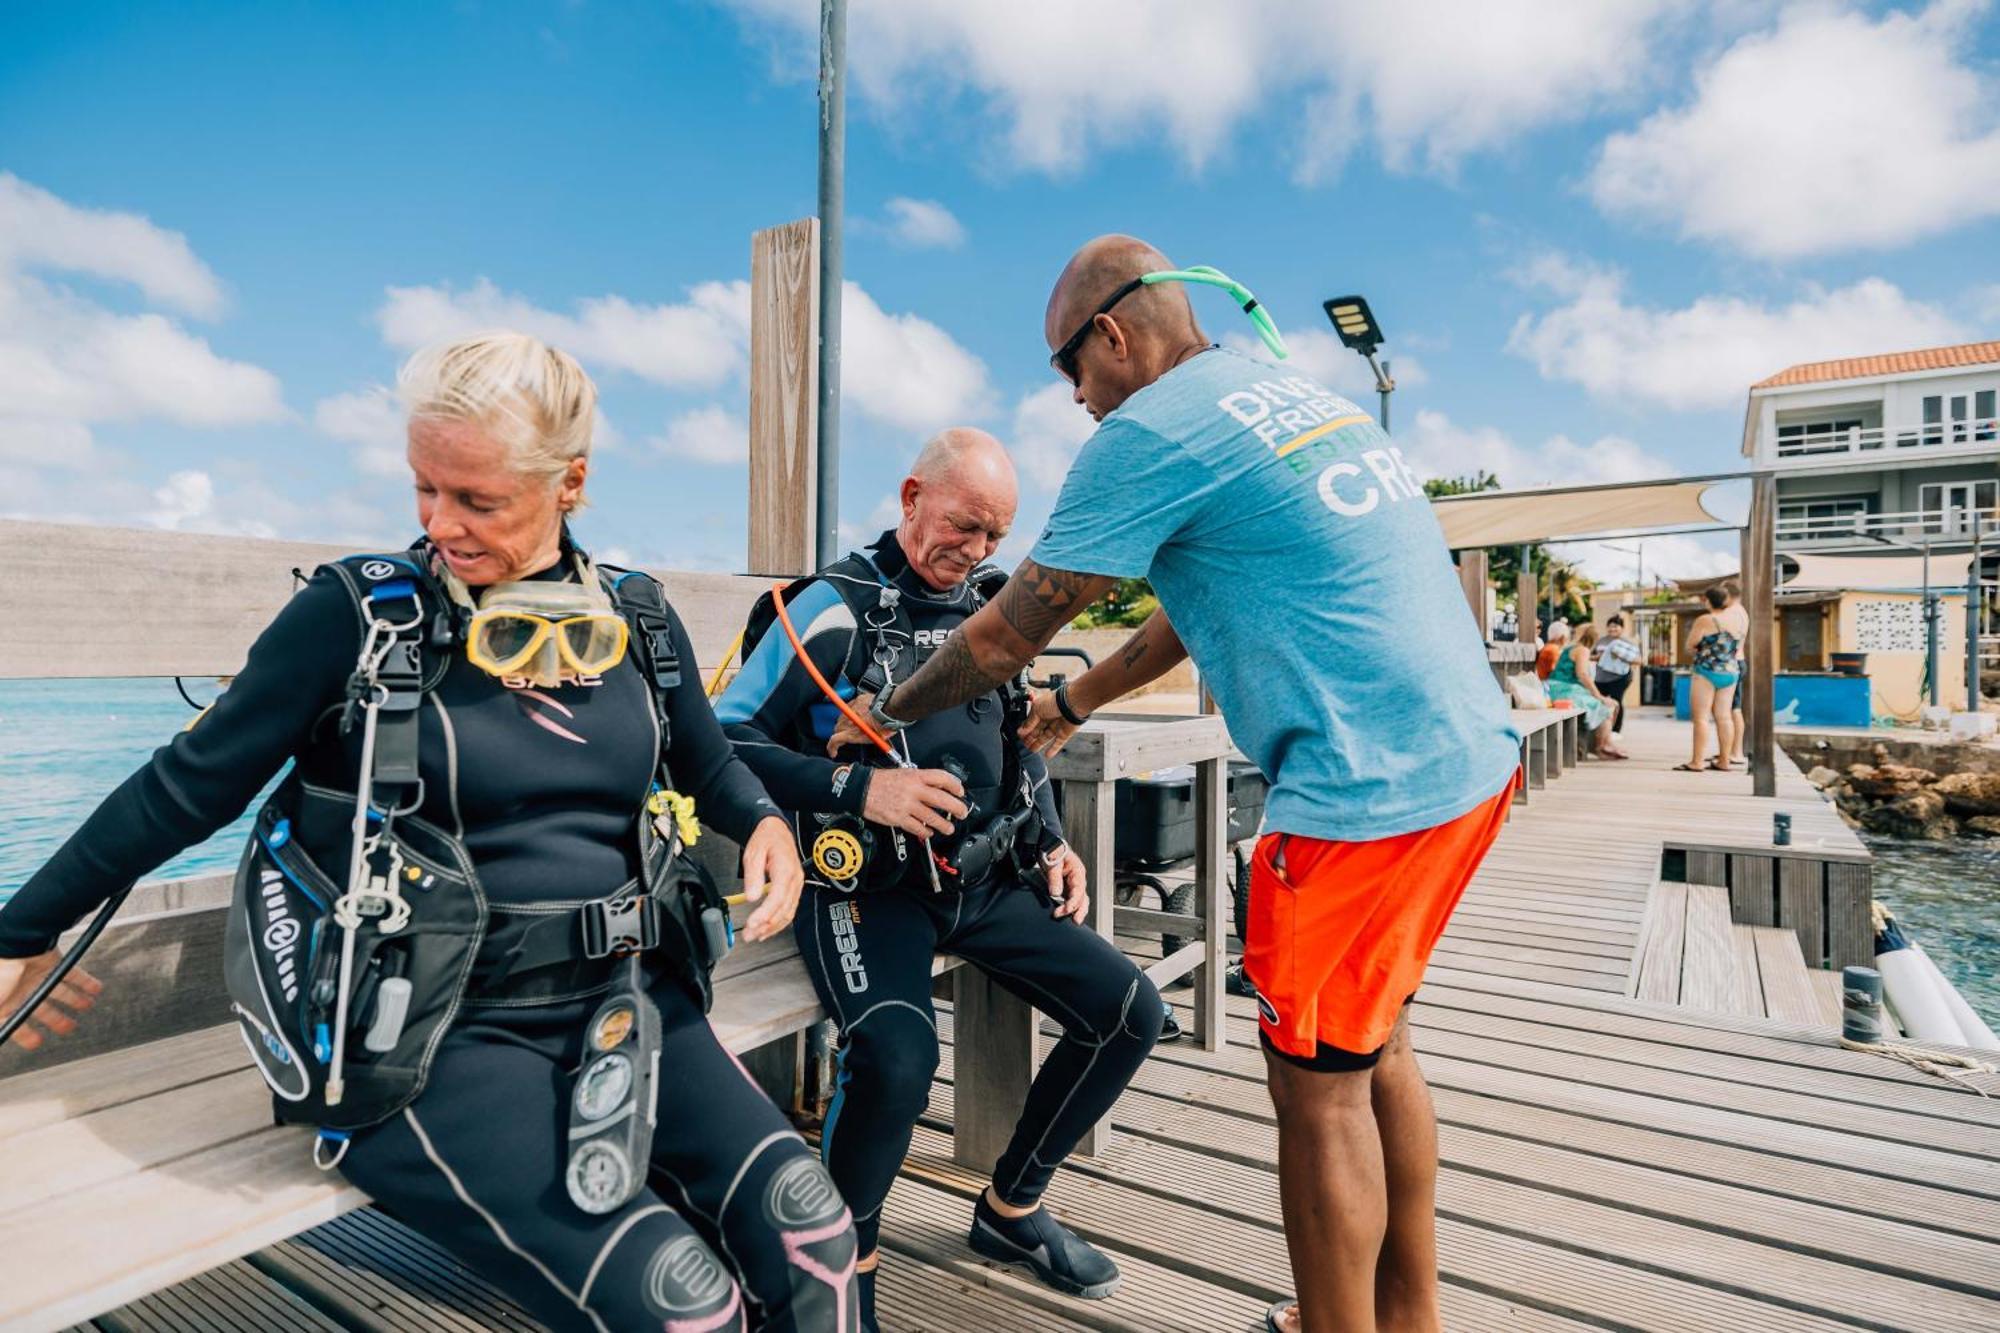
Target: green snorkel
[[1260, 318], [1064, 357]]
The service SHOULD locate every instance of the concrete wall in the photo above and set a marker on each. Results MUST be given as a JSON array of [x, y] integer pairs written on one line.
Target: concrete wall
[[1898, 676]]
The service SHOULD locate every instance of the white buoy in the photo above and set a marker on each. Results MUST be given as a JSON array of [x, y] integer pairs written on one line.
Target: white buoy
[[1976, 1033], [1919, 1003]]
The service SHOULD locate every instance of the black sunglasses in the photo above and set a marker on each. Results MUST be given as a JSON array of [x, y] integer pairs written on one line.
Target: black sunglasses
[[1064, 357]]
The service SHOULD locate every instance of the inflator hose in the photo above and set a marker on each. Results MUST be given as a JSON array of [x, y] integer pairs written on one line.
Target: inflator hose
[[70, 958]]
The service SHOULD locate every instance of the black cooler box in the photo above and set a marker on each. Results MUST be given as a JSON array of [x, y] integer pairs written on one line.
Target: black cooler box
[[1155, 813]]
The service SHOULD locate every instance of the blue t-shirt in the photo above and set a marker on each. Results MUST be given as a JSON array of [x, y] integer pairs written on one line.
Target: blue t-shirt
[[1294, 551]]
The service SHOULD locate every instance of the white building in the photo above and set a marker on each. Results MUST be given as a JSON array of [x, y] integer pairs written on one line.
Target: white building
[[1881, 454]]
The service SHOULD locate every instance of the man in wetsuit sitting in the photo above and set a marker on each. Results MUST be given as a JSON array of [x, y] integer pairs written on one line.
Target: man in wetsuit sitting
[[960, 852]]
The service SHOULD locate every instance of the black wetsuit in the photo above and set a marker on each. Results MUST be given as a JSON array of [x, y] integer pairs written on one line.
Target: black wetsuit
[[869, 953], [741, 1227]]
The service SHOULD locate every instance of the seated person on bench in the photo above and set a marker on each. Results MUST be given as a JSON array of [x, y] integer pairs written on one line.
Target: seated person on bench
[[951, 845]]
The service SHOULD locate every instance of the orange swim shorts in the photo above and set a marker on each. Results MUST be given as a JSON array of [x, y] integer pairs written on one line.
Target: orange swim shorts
[[1340, 932]]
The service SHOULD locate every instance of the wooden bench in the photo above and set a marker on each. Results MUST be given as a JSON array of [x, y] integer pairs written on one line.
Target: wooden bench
[[1551, 741], [128, 1170]]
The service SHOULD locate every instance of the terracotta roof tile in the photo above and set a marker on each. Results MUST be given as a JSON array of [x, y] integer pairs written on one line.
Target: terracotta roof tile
[[1894, 363]]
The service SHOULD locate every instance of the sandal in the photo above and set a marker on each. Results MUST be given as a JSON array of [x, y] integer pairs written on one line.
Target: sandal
[[1689, 768]]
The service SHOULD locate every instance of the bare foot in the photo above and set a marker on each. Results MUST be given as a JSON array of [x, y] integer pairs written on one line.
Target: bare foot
[[1288, 1322]]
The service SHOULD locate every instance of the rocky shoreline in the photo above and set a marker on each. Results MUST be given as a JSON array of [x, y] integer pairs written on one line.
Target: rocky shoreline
[[1910, 801]]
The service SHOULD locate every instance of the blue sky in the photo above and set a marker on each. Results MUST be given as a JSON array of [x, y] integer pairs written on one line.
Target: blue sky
[[222, 226]]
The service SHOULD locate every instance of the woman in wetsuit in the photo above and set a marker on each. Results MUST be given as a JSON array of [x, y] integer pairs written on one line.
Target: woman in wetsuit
[[542, 782]]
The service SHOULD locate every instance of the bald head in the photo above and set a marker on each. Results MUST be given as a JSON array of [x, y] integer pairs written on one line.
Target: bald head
[[963, 454], [1100, 268], [1146, 334], [958, 502]]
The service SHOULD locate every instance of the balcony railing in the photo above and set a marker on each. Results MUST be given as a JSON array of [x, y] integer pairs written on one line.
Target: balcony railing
[[1913, 525], [1881, 441]]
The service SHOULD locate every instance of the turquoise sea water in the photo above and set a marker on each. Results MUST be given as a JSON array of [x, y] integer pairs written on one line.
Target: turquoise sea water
[[65, 744]]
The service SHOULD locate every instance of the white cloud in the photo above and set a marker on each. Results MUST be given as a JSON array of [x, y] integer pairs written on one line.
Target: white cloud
[[1429, 81], [1675, 556], [1439, 447], [372, 421], [697, 343], [900, 369], [923, 224], [904, 370], [1831, 131], [188, 503], [711, 434], [1708, 353], [1049, 428], [1321, 356], [68, 362], [38, 230], [1986, 303]]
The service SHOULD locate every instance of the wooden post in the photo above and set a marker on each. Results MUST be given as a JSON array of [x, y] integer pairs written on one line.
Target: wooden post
[[1089, 824], [1524, 601], [784, 397], [1472, 578], [993, 1063], [1760, 656]]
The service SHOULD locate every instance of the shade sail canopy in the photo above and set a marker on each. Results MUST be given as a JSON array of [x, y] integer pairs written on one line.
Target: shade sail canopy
[[1509, 518], [1875, 573]]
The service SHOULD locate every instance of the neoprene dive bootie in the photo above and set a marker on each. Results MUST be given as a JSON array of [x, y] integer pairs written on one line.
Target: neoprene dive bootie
[[1057, 1255]]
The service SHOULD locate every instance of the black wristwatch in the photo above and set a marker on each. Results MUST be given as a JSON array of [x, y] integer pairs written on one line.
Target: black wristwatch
[[881, 720]]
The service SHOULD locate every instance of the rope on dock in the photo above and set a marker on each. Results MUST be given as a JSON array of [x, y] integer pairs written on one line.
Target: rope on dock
[[1947, 1065]]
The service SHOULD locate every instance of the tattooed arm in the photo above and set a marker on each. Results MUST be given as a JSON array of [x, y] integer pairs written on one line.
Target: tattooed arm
[[1003, 637], [1152, 651], [991, 647]]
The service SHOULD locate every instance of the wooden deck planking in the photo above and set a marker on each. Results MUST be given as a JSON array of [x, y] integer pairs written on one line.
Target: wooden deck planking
[[1605, 1161]]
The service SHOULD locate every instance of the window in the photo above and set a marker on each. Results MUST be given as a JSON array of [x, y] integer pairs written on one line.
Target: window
[[1984, 427], [1816, 437], [1820, 518], [1933, 416], [1950, 505]]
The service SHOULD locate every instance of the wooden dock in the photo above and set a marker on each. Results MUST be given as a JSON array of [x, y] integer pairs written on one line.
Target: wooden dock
[[1607, 1162]]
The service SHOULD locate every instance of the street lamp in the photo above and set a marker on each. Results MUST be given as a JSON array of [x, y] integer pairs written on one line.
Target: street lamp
[[1355, 323]]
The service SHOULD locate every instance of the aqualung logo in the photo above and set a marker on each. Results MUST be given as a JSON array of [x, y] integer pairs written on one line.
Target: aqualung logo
[[378, 569], [802, 1194], [281, 931], [684, 1278], [845, 918]]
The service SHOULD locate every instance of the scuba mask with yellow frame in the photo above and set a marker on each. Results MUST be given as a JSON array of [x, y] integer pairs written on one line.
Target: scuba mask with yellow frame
[[542, 631]]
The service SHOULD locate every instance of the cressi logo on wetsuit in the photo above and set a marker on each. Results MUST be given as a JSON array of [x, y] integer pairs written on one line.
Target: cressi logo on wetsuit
[[844, 917]]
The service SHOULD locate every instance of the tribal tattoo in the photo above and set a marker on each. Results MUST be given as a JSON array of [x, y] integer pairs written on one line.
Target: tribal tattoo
[[980, 656]]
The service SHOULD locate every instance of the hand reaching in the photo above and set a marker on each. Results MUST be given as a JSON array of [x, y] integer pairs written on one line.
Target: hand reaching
[[56, 1016]]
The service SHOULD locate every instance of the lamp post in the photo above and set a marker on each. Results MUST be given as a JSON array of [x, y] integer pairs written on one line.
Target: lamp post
[[1355, 323], [832, 203]]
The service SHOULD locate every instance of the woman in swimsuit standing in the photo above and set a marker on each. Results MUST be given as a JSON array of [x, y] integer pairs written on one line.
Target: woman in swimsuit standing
[[1713, 641]]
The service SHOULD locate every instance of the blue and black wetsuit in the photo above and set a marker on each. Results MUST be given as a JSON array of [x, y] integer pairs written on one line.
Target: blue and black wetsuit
[[869, 952], [740, 1228]]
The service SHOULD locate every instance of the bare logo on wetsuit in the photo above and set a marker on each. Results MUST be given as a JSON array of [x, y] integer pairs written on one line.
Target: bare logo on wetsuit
[[684, 1277], [801, 1194], [845, 919]]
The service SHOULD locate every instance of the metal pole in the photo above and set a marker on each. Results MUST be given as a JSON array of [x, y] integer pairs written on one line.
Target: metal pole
[[1930, 628], [1384, 386], [1972, 591], [832, 165]]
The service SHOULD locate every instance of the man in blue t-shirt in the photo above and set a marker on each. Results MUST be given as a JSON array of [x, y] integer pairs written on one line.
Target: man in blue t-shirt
[[1297, 561]]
